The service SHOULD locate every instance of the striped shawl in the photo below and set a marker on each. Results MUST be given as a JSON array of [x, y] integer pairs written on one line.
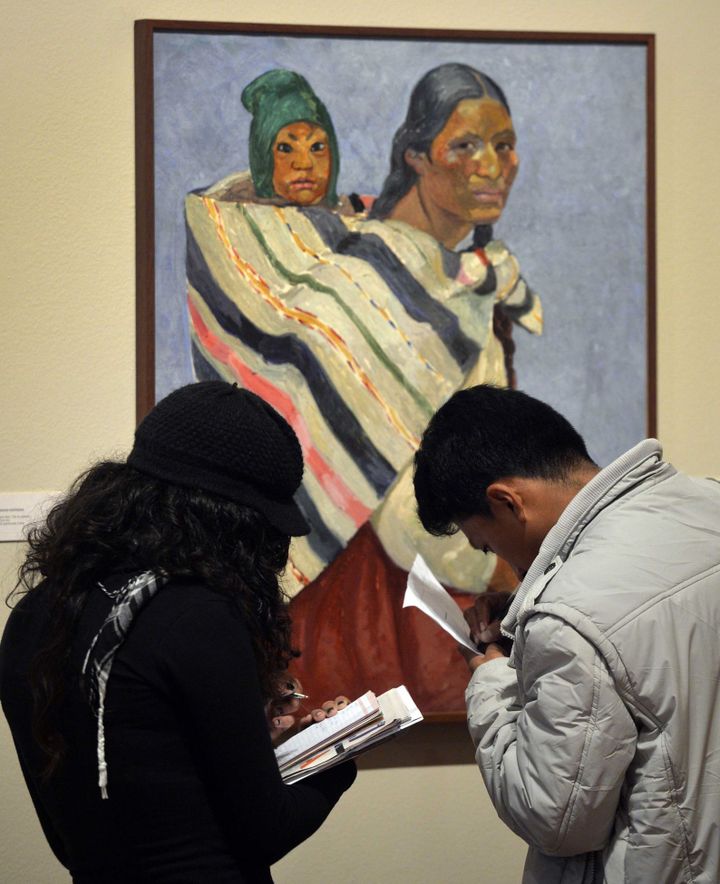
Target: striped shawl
[[356, 331]]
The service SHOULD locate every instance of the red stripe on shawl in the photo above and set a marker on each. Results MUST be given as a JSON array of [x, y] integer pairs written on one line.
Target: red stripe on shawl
[[330, 482]]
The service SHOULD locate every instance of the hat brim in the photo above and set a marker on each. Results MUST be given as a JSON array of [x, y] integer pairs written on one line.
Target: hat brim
[[285, 515]]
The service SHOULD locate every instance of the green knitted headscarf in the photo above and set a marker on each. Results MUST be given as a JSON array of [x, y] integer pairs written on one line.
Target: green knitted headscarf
[[276, 99]]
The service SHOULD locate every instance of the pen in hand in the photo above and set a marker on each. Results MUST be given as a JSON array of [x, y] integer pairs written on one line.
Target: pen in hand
[[292, 686]]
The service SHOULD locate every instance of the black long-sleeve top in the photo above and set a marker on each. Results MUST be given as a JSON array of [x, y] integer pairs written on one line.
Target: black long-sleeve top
[[194, 790]]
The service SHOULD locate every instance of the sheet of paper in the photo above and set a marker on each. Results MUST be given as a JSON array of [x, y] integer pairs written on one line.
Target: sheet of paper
[[21, 509], [425, 592]]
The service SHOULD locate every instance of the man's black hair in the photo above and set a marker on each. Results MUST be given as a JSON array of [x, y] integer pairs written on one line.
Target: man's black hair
[[483, 434]]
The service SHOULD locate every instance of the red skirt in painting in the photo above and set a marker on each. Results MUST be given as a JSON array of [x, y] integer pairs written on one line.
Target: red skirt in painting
[[363, 639]]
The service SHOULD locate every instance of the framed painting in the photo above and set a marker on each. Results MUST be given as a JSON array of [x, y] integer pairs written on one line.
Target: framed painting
[[356, 223]]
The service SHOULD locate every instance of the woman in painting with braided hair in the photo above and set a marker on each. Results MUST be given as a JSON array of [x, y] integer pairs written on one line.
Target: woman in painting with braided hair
[[144, 670], [452, 166], [453, 163]]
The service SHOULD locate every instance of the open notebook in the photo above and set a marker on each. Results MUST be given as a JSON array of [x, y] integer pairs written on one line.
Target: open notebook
[[365, 722]]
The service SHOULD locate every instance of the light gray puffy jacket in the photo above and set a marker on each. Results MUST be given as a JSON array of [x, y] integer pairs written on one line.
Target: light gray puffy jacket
[[601, 747]]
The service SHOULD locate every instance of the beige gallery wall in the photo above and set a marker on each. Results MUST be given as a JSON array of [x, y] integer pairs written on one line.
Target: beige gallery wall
[[67, 339]]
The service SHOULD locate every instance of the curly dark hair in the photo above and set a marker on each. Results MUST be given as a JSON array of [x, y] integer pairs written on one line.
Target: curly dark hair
[[116, 518]]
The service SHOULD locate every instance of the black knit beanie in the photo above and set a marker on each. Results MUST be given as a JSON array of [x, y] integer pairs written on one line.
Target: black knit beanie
[[219, 438]]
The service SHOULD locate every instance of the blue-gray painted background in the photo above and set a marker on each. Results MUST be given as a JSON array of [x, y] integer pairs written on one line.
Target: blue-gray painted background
[[575, 218]]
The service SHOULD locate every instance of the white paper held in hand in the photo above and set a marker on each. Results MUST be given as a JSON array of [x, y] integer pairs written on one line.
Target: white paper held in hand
[[424, 591]]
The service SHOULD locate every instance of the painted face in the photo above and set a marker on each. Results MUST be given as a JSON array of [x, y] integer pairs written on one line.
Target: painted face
[[505, 536], [301, 163], [472, 162]]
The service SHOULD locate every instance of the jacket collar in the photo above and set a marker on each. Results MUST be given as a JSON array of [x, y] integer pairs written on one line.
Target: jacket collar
[[637, 464]]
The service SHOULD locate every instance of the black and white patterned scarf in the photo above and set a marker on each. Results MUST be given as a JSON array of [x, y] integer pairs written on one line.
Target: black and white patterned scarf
[[128, 601]]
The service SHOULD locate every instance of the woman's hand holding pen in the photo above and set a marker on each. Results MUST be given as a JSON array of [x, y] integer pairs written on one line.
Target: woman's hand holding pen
[[282, 710]]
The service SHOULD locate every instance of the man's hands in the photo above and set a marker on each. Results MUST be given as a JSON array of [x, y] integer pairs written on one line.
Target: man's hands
[[484, 617], [492, 652]]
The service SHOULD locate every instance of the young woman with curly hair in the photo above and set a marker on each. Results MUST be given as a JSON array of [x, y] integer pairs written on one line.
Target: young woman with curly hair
[[143, 670]]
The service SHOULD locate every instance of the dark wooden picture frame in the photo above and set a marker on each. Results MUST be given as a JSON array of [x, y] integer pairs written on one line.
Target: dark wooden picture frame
[[602, 376]]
